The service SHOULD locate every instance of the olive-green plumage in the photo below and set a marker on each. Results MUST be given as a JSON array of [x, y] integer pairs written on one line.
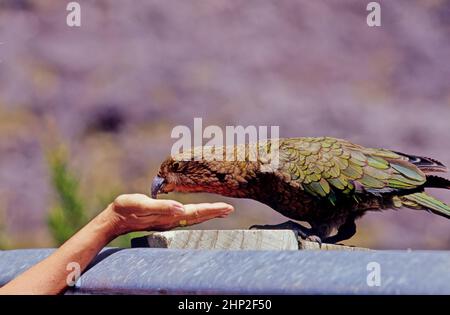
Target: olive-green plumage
[[325, 181]]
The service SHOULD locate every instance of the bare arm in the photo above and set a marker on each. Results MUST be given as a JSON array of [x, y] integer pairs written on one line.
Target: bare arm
[[127, 213]]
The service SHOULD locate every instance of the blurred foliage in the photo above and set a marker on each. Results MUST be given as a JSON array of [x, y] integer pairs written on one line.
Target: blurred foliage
[[125, 240], [4, 241], [69, 215]]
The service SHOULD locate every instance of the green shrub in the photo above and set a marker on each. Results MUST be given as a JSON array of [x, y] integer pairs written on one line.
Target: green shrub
[[69, 215]]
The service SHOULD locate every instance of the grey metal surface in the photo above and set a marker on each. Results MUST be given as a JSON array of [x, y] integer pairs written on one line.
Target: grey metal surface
[[153, 271], [14, 262]]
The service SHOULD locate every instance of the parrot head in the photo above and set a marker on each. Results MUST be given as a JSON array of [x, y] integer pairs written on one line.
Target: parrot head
[[198, 170], [186, 176]]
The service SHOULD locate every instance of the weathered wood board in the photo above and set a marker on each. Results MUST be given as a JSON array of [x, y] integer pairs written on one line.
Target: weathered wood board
[[232, 240], [307, 245], [224, 239]]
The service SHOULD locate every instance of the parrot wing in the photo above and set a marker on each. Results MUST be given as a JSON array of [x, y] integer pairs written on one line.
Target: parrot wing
[[326, 166]]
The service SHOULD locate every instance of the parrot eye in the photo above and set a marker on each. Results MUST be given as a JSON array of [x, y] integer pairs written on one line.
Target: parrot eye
[[175, 166], [221, 177]]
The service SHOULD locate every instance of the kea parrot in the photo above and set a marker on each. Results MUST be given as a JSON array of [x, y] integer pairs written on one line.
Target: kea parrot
[[324, 181]]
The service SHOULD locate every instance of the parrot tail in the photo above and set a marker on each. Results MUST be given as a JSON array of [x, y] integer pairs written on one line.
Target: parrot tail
[[437, 182], [423, 201], [425, 164]]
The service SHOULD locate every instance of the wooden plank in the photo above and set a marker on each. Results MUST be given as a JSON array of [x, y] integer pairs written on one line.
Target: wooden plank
[[232, 240], [307, 245], [224, 239]]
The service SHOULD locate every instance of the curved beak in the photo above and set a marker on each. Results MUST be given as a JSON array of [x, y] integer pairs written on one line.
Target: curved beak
[[157, 185]]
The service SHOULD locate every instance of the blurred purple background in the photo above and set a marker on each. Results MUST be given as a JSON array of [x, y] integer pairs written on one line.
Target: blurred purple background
[[112, 90]]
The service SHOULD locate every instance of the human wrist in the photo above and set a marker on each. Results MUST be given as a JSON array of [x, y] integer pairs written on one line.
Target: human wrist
[[110, 223]]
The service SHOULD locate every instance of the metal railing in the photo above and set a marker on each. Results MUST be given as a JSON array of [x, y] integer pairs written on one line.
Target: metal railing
[[173, 271]]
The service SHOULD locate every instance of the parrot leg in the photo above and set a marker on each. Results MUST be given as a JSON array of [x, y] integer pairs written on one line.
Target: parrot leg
[[345, 231], [300, 230]]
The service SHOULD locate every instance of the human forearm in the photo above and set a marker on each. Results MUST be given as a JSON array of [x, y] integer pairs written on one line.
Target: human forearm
[[50, 275]]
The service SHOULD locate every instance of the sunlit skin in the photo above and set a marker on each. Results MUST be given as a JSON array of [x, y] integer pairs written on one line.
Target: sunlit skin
[[134, 212]]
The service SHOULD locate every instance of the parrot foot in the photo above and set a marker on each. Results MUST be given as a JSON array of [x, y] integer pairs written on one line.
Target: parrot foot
[[314, 238], [300, 230], [345, 231]]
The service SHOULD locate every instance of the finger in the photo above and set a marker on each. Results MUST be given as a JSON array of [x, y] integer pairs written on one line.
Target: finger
[[149, 205], [201, 209], [197, 220], [165, 206], [205, 211], [193, 214]]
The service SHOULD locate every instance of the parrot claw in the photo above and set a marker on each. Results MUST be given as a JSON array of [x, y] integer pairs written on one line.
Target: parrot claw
[[314, 238]]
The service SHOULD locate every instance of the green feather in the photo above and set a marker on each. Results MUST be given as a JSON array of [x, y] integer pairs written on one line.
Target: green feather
[[338, 183], [317, 188], [358, 162], [325, 186], [394, 183], [385, 154], [430, 203], [376, 173], [371, 182], [378, 162], [358, 156], [341, 163], [408, 172], [333, 171], [353, 171]]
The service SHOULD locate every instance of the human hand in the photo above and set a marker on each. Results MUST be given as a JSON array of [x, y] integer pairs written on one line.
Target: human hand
[[127, 213], [138, 212]]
